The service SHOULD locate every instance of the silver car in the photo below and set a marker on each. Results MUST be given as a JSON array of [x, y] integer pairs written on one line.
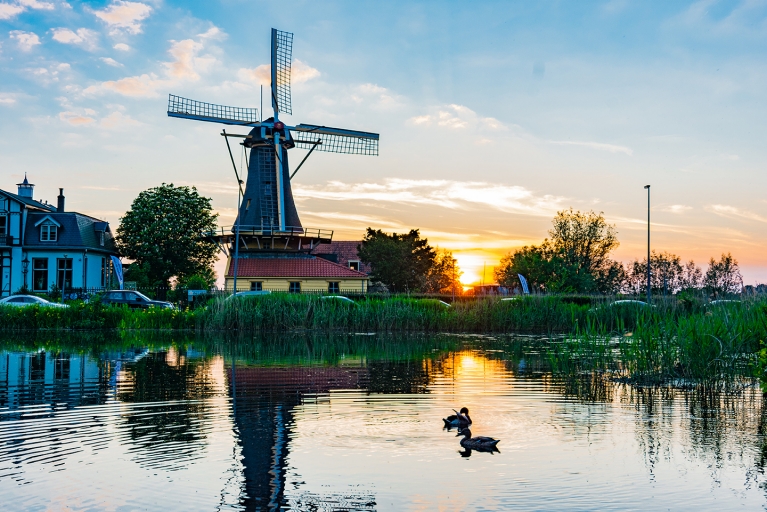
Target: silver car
[[29, 300]]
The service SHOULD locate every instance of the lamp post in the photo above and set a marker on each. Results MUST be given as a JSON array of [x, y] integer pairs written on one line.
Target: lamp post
[[648, 243], [25, 269]]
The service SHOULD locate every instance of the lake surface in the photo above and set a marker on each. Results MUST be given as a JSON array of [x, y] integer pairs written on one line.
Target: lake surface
[[354, 423]]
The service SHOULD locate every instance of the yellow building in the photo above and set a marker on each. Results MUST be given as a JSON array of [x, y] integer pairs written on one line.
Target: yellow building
[[294, 273]]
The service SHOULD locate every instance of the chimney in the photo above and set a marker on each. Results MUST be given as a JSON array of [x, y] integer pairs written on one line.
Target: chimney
[[60, 205], [26, 188]]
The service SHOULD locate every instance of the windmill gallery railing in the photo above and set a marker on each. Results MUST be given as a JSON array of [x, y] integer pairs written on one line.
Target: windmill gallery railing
[[267, 231]]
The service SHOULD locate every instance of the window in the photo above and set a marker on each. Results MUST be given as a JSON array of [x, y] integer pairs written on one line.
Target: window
[[256, 286], [101, 238], [247, 205], [64, 273], [39, 275], [48, 232], [295, 287], [354, 265], [334, 287], [103, 272], [3, 225]]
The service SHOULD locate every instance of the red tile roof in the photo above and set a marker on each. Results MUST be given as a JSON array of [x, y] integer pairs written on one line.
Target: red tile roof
[[291, 267], [344, 250]]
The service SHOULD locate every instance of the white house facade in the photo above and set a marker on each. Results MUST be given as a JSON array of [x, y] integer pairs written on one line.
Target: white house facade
[[43, 246]]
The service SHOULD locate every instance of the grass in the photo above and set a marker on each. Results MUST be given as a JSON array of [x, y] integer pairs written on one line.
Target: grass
[[676, 341]]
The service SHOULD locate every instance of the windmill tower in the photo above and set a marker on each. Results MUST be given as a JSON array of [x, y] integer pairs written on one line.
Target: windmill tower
[[267, 220]]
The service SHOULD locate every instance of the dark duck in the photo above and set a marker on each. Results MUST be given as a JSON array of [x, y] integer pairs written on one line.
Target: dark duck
[[480, 443], [459, 419]]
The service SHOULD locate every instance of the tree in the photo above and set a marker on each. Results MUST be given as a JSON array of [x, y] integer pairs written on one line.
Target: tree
[[667, 275], [163, 233], [401, 262], [575, 258], [723, 276], [444, 275], [692, 276]]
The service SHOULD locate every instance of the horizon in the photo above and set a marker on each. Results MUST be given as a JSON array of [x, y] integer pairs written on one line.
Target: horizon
[[483, 138]]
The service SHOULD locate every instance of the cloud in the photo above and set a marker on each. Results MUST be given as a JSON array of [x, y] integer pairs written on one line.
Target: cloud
[[213, 33], [124, 16], [135, 86], [732, 211], [300, 72], [118, 120], [49, 74], [8, 11], [6, 100], [25, 40], [186, 65], [110, 62], [87, 117], [76, 119], [121, 47], [676, 208], [456, 117], [457, 195], [599, 146], [82, 37]]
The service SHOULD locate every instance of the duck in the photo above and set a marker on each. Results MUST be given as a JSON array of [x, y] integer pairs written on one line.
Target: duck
[[480, 443], [459, 419]]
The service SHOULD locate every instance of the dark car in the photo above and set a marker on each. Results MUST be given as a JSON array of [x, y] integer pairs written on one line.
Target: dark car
[[133, 299]]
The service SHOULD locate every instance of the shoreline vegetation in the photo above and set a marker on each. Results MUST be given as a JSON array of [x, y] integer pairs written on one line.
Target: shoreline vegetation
[[680, 341]]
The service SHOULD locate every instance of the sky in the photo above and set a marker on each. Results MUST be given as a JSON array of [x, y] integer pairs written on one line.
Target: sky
[[492, 115]]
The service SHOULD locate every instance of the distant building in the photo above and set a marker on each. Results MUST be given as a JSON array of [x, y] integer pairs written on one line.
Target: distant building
[[344, 253], [294, 273], [42, 246]]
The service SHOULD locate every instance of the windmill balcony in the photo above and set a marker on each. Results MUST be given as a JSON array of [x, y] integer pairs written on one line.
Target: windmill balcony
[[260, 238]]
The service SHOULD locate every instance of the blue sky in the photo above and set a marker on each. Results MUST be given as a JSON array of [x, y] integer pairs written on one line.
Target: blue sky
[[492, 115]]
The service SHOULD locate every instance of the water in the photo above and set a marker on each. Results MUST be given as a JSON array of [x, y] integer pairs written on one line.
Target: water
[[354, 423]]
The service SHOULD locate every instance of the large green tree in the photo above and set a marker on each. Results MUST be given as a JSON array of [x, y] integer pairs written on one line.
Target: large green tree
[[163, 233], [723, 277], [402, 262], [576, 257]]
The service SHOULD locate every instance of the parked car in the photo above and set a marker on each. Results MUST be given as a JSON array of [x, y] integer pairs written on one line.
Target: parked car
[[133, 299], [338, 298], [30, 300], [253, 293]]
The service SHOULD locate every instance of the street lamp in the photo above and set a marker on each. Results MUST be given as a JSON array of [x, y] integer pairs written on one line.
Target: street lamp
[[648, 242], [25, 269]]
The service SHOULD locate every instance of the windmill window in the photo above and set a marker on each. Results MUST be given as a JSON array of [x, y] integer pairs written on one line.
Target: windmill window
[[48, 232], [40, 274], [247, 205], [354, 265], [334, 287], [294, 287]]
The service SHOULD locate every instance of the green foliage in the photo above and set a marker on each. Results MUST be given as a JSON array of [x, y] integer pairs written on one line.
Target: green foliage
[[401, 262], [163, 232], [723, 277], [574, 260]]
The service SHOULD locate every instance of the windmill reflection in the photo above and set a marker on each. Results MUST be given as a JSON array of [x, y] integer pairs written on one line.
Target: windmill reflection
[[263, 399]]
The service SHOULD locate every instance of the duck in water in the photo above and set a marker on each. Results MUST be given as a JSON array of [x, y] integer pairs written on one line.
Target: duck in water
[[480, 443], [459, 419]]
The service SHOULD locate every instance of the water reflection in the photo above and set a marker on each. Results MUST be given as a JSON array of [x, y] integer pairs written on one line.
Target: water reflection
[[355, 423]]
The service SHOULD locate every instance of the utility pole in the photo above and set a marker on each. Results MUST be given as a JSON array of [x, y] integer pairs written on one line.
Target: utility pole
[[648, 243]]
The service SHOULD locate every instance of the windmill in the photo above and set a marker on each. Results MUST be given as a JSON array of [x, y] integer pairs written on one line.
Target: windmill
[[267, 218]]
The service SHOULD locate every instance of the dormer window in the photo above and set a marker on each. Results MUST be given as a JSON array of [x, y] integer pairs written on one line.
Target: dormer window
[[48, 232], [101, 238]]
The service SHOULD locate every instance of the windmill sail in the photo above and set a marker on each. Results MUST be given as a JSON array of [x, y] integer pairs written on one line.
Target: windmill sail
[[282, 54], [200, 111], [335, 140]]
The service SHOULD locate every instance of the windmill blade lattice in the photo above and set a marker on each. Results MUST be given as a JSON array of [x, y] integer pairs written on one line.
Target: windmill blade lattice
[[200, 111], [282, 54], [335, 140]]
